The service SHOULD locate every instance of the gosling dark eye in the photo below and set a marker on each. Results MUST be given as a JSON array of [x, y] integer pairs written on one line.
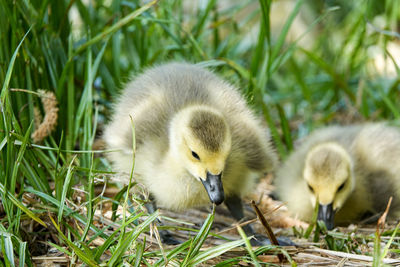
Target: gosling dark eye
[[194, 154], [310, 187], [340, 187]]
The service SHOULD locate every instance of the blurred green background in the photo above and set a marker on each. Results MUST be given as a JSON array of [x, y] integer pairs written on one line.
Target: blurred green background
[[300, 64]]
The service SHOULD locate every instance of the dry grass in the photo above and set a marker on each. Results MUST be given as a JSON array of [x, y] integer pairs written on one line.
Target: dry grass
[[305, 253], [342, 70], [48, 124]]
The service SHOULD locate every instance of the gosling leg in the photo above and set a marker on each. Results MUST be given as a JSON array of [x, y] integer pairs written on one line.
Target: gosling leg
[[235, 207], [165, 235]]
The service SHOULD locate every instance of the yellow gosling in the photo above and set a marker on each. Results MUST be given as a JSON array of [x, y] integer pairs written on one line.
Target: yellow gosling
[[351, 171]]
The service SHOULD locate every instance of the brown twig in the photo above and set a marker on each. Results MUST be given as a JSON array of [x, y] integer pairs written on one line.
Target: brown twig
[[241, 224], [381, 222], [268, 229]]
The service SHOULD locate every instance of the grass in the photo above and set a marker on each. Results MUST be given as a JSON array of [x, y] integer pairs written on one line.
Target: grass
[[48, 189]]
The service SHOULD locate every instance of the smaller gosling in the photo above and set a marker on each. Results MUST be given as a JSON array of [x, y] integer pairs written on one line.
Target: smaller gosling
[[351, 171], [197, 141]]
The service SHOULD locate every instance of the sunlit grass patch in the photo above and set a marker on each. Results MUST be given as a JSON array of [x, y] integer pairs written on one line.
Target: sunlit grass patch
[[50, 202]]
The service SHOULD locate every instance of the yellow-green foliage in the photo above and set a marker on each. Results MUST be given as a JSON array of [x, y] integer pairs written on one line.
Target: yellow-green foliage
[[84, 60]]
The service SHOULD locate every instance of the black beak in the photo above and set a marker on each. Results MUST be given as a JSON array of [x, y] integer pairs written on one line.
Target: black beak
[[327, 215], [215, 190]]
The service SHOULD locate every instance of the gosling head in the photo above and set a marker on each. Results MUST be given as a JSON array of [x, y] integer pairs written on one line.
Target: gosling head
[[200, 140], [329, 177]]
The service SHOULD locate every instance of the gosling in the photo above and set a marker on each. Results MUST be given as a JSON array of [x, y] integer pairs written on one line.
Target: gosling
[[196, 139], [351, 171]]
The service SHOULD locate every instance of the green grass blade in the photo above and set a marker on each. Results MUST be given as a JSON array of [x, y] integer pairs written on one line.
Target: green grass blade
[[60, 248], [201, 21], [336, 78], [248, 246], [285, 128], [274, 131], [75, 248], [174, 252], [66, 187], [124, 244], [3, 143], [19, 159], [282, 36], [125, 204], [266, 25], [89, 207], [4, 90], [139, 253], [21, 206], [127, 19], [21, 253], [110, 239], [8, 247], [313, 221], [214, 252], [200, 238], [388, 244]]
